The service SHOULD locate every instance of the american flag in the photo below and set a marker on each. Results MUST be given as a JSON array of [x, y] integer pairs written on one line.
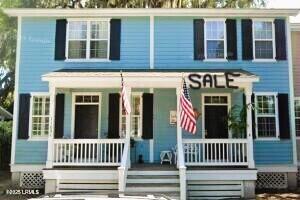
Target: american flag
[[187, 116], [125, 100]]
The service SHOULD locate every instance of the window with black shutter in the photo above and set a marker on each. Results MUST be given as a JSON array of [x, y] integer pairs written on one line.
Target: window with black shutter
[[198, 39], [247, 46]]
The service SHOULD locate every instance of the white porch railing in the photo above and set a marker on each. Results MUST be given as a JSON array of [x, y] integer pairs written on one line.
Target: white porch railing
[[216, 152], [87, 152]]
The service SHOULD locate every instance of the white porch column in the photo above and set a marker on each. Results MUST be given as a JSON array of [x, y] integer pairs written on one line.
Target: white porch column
[[248, 93], [180, 154], [52, 91], [128, 125]]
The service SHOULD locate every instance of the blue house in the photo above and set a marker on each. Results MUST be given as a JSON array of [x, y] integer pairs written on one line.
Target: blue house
[[71, 133]]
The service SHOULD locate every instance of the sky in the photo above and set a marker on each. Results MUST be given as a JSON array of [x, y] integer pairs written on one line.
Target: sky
[[285, 4]]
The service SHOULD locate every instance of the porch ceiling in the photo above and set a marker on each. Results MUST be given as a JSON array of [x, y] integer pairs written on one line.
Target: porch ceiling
[[140, 78]]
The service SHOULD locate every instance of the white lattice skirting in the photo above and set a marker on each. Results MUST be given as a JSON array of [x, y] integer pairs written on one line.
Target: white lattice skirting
[[32, 180], [272, 180]]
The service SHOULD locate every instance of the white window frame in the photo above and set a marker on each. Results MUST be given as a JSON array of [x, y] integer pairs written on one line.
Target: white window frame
[[32, 95], [140, 131], [88, 40], [224, 39], [275, 94], [273, 40], [296, 99]]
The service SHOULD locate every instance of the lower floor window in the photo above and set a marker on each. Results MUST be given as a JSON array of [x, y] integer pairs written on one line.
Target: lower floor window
[[40, 116], [297, 116], [266, 115], [136, 117]]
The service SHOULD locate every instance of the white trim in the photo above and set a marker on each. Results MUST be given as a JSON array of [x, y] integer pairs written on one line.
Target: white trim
[[106, 12], [30, 136], [74, 94], [217, 175], [151, 56], [277, 168], [88, 40], [151, 150], [228, 104], [26, 168], [16, 94], [292, 94], [275, 94], [273, 40], [81, 174], [224, 59]]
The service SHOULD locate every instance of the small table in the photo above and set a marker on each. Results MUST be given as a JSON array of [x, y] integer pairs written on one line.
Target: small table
[[165, 156]]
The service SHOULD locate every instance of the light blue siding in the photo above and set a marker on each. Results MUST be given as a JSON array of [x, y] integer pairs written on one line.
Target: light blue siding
[[38, 42], [173, 49], [164, 134], [31, 152], [273, 152]]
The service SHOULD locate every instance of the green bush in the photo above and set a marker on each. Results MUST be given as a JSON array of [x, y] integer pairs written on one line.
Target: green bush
[[5, 143]]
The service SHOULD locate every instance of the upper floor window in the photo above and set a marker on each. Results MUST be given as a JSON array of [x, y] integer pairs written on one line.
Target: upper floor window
[[266, 116], [136, 117], [215, 39], [39, 125], [263, 40], [88, 39], [297, 116]]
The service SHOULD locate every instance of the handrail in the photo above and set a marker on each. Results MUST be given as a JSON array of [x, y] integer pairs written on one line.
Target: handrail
[[182, 169], [125, 164]]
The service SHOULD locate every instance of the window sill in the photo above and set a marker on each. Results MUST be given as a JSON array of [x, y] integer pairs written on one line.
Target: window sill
[[215, 60], [264, 60], [37, 139], [137, 138], [87, 60]]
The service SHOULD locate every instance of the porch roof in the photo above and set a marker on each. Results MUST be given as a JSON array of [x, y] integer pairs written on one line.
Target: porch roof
[[94, 77]]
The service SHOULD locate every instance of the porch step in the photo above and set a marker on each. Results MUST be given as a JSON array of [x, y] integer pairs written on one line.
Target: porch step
[[154, 182]]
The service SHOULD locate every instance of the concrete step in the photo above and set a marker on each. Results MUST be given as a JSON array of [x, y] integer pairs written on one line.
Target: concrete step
[[152, 173], [152, 179], [159, 188]]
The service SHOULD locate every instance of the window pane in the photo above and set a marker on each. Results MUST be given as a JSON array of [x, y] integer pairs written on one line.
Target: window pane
[[298, 127], [77, 30], [136, 105], [297, 108], [215, 49], [99, 30], [263, 30], [77, 49], [40, 116], [266, 104], [215, 30], [266, 126], [99, 49], [263, 49]]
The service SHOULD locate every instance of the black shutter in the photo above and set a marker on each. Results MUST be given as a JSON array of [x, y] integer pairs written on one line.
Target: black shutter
[[59, 115], [284, 117], [198, 39], [115, 39], [253, 116], [60, 39], [280, 39], [113, 115], [231, 39], [147, 116], [247, 39], [24, 110]]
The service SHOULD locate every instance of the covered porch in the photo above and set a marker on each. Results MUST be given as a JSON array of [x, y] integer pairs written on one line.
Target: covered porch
[[87, 139]]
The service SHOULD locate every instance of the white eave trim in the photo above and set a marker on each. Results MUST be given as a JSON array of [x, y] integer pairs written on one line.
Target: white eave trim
[[200, 12]]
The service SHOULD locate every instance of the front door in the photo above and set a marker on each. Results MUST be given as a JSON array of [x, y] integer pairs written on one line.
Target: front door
[[86, 121], [215, 121]]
